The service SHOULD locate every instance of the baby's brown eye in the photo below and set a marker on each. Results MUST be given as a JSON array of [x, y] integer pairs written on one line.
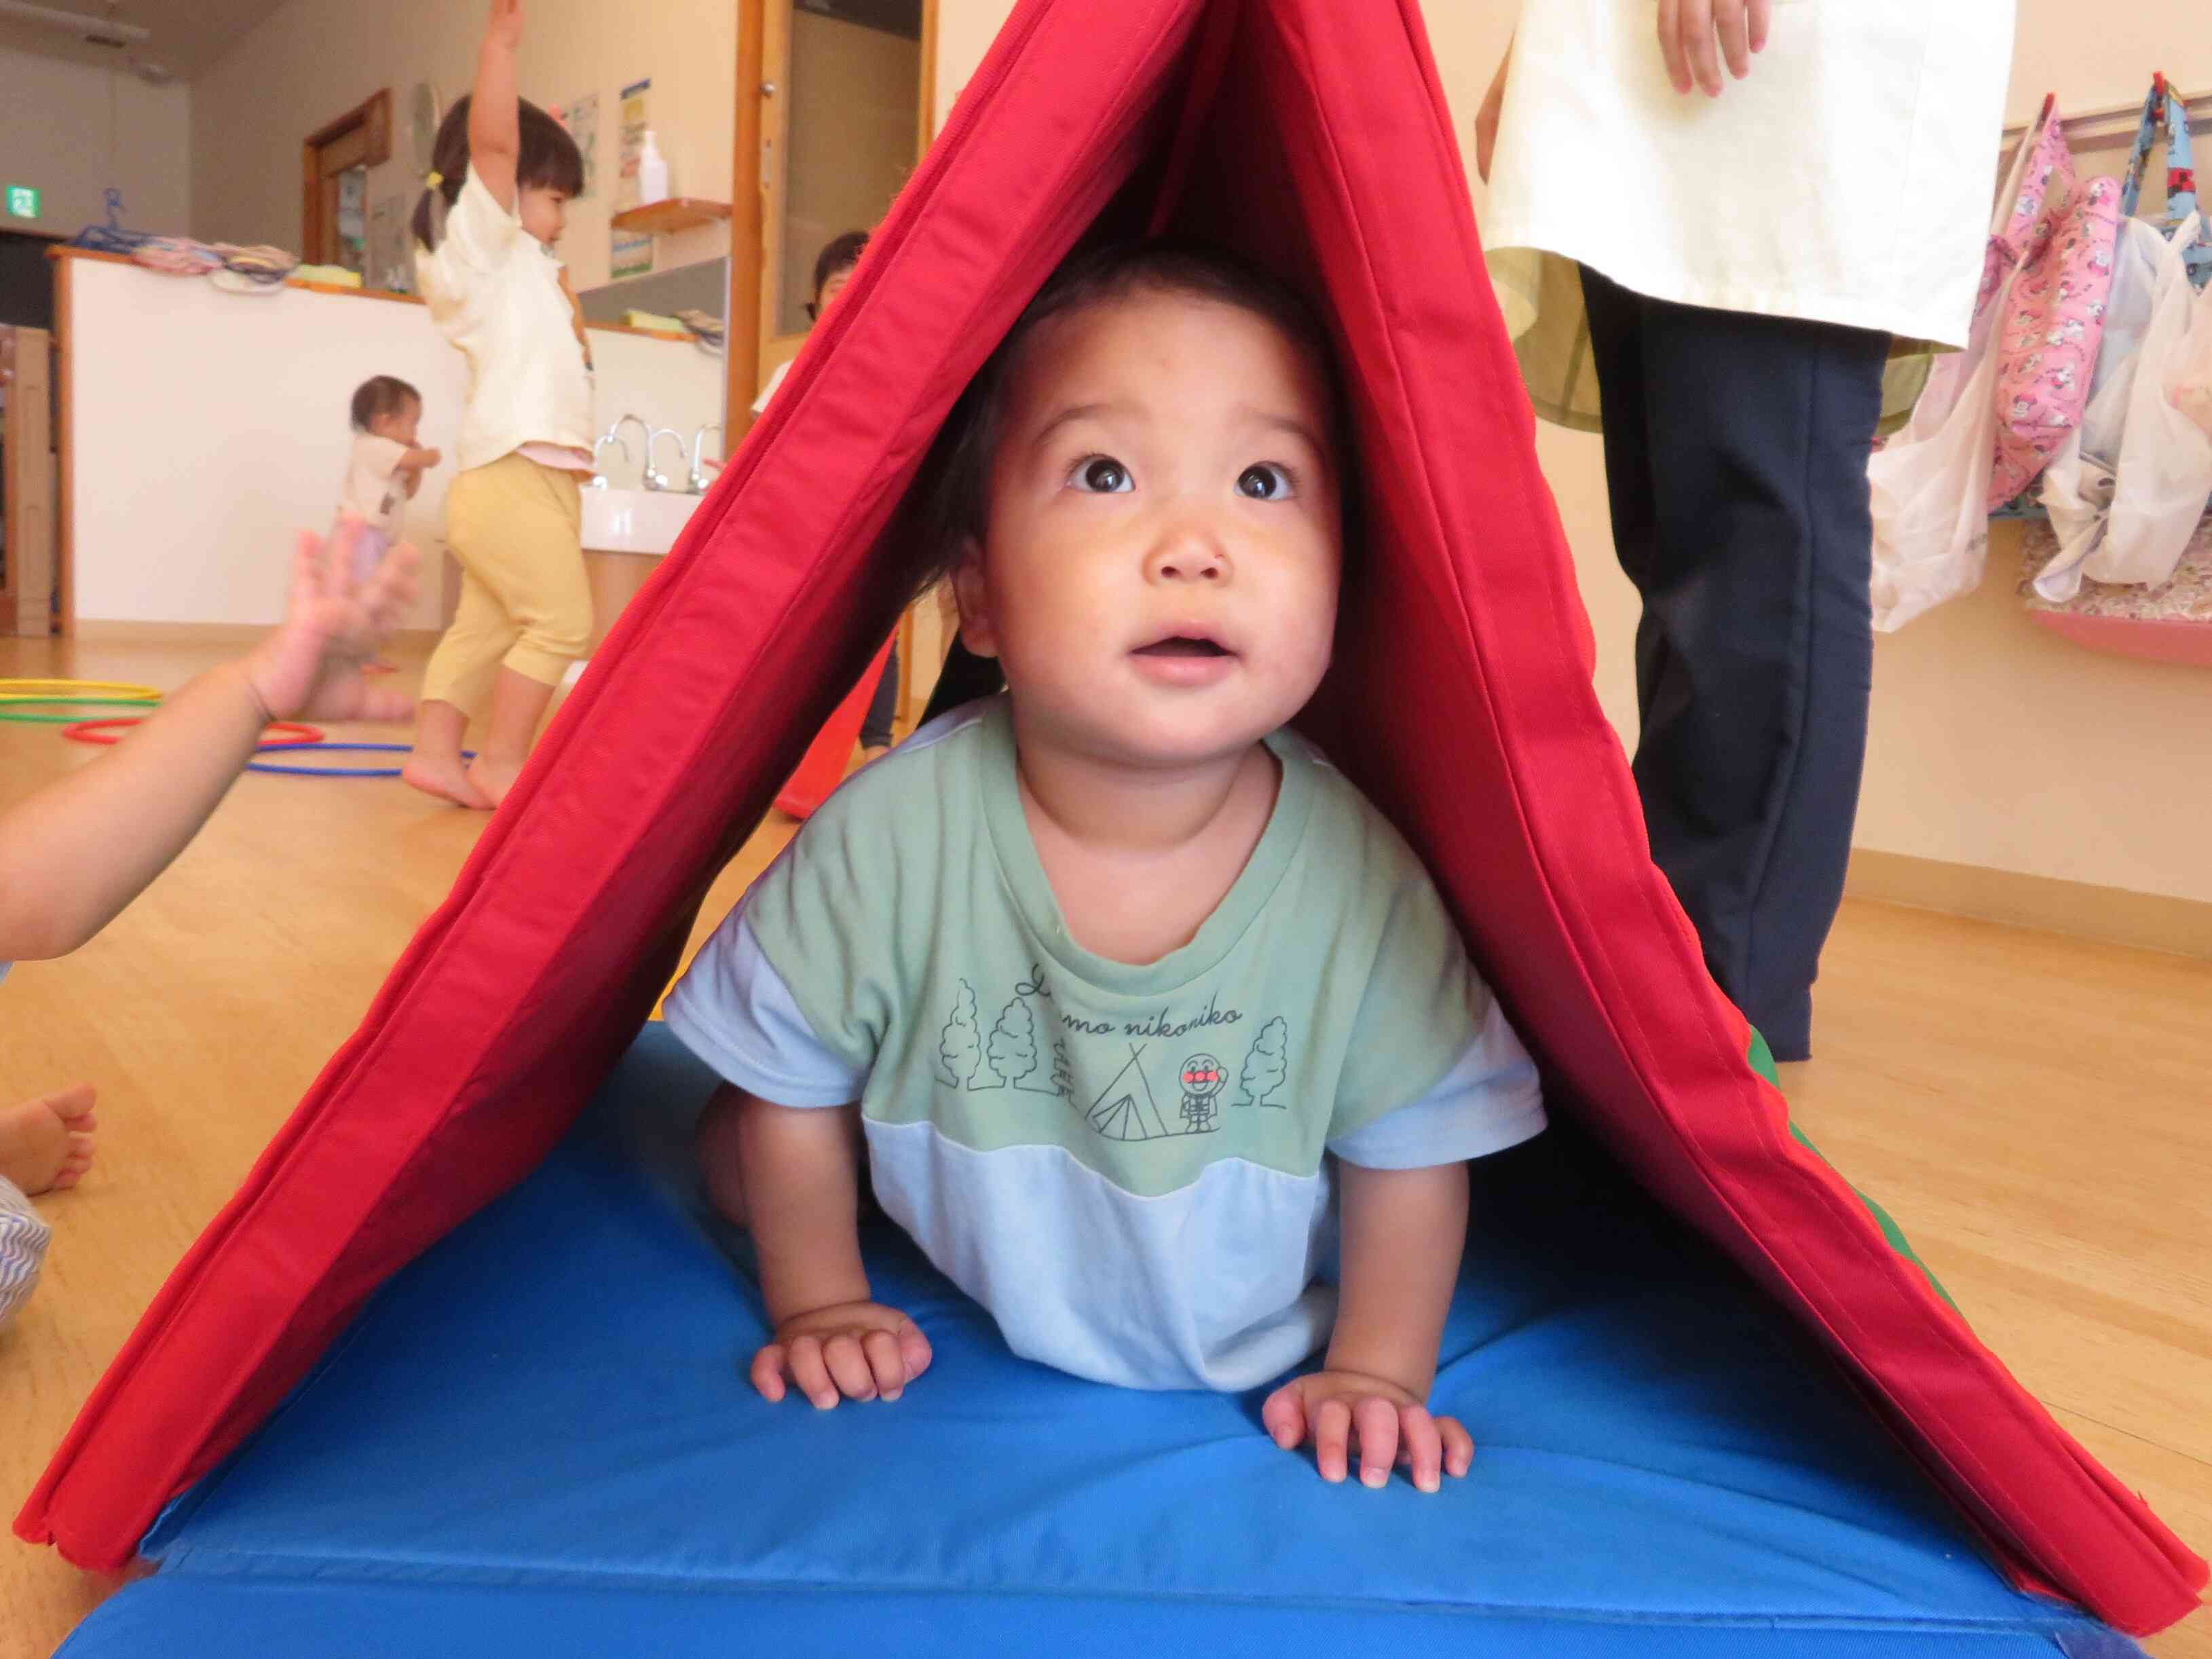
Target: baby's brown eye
[[1265, 483], [1101, 475]]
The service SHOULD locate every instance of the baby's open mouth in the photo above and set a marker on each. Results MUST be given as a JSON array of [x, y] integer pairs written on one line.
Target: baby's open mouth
[[1184, 645]]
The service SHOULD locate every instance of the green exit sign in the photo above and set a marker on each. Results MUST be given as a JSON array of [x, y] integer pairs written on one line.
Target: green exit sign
[[22, 202]]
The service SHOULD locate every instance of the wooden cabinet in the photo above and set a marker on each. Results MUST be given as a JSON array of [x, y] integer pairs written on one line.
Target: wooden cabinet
[[28, 492]]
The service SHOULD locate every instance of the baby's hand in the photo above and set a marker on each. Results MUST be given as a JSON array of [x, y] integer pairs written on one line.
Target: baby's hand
[[332, 627], [851, 1350], [1330, 1407]]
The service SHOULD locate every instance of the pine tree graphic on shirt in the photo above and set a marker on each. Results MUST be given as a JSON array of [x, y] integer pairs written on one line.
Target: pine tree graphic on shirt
[[960, 1057], [1013, 1052], [1266, 1066]]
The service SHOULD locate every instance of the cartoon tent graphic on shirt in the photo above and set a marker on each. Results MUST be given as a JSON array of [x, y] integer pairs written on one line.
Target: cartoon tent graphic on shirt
[[1309, 135]]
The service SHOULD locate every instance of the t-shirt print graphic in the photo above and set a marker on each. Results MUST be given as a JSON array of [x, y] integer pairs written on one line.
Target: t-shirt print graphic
[[1018, 1055]]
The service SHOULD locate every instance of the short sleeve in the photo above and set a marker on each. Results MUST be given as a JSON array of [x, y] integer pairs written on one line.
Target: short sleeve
[[792, 996], [478, 230], [1422, 1008], [735, 1012], [1493, 1099]]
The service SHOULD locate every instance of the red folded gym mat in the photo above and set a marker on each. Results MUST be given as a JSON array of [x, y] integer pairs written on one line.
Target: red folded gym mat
[[1312, 135]]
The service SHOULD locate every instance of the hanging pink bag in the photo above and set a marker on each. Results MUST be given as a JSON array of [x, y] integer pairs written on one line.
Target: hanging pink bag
[[2057, 234]]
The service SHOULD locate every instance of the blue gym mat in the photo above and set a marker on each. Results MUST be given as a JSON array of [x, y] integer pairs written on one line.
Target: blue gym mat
[[539, 1441]]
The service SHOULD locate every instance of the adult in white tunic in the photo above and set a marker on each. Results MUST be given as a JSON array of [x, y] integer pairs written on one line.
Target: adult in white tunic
[[1710, 217]]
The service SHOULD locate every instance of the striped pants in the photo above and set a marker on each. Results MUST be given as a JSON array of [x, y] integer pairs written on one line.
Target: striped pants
[[22, 1248]]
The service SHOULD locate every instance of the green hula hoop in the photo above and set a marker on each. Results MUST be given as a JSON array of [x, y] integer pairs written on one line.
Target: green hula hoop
[[16, 714]]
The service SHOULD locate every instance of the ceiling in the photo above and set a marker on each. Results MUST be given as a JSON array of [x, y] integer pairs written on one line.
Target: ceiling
[[188, 35]]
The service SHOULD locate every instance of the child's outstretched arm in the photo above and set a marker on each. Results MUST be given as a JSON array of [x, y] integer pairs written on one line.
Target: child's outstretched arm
[[1403, 1233], [494, 130], [73, 855], [802, 1181]]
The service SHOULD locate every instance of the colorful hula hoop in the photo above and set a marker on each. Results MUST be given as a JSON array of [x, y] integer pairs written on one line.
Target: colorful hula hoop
[[335, 771], [16, 711], [40, 691], [97, 731]]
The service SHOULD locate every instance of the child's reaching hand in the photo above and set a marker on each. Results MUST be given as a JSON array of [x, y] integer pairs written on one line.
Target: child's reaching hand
[[332, 627], [853, 1350], [73, 854], [1333, 1409]]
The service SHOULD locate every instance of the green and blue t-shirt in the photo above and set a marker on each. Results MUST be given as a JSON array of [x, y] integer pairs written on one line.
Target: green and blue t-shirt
[[1128, 1165]]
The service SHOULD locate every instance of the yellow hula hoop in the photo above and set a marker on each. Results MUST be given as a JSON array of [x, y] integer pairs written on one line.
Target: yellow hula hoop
[[36, 690]]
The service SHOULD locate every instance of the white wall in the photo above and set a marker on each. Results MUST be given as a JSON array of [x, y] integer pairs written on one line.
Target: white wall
[[208, 427], [72, 131], [313, 60]]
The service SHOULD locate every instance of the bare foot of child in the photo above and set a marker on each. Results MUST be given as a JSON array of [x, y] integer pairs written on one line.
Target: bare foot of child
[[493, 779], [447, 781], [46, 1144]]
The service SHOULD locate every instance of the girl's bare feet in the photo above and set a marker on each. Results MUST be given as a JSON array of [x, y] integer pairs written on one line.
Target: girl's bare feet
[[492, 778], [447, 780], [46, 1144]]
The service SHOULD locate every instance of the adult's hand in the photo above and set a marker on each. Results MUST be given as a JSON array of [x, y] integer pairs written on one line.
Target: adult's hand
[[1697, 36]]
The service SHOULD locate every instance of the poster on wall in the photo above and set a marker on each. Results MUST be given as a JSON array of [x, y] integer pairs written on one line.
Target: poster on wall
[[630, 256], [581, 117], [636, 116]]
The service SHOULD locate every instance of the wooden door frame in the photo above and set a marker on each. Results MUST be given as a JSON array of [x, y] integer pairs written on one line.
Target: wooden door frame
[[749, 205], [372, 119]]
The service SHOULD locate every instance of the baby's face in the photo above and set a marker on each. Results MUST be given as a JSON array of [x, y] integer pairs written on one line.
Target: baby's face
[[1159, 578], [399, 425]]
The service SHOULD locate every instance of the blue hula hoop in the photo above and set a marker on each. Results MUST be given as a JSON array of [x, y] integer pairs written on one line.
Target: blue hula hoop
[[332, 771]]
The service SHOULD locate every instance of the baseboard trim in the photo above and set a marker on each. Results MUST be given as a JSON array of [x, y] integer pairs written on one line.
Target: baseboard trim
[[93, 632], [2148, 922]]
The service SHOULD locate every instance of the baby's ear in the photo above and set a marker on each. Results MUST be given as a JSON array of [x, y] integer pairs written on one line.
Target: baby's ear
[[978, 628]]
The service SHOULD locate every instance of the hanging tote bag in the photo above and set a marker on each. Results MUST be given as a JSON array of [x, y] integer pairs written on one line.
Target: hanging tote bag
[[2164, 108], [2165, 459], [2079, 485], [1932, 526], [2057, 235], [2189, 376]]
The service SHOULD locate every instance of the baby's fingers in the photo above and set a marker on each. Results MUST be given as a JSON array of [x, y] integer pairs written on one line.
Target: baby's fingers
[[1421, 1447], [811, 1373], [1284, 1416], [848, 1367], [768, 1372], [914, 1350], [1332, 1433], [1458, 1445], [885, 1363], [1376, 1420]]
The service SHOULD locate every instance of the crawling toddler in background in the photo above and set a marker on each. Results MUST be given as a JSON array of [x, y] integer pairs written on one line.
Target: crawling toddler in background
[[1139, 1011], [385, 467]]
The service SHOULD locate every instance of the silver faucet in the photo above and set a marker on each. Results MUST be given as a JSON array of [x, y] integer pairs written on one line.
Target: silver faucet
[[698, 476], [598, 478], [660, 480], [642, 425]]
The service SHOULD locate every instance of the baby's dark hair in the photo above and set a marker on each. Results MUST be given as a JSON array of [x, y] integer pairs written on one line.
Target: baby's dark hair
[[839, 253], [381, 394], [951, 502], [548, 160]]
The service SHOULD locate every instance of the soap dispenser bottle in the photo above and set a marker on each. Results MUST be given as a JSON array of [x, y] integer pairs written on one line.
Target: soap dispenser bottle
[[651, 171]]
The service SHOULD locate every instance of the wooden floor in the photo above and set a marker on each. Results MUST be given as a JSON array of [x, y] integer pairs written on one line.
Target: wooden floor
[[2033, 1109]]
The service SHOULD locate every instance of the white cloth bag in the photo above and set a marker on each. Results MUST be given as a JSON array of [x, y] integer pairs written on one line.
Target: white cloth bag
[[2166, 458], [1931, 524], [2078, 483]]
